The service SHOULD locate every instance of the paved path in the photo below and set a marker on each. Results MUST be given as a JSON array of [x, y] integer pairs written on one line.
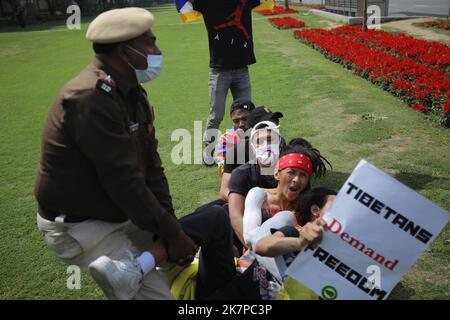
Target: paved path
[[407, 27]]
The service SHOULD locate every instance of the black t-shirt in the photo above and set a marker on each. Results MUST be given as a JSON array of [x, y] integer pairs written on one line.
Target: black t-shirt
[[248, 176], [239, 155], [229, 26]]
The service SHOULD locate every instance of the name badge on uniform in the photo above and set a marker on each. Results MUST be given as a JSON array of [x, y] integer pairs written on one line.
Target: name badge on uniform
[[105, 87], [133, 127]]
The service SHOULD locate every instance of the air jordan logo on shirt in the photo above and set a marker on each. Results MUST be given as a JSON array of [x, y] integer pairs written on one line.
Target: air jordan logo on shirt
[[236, 16]]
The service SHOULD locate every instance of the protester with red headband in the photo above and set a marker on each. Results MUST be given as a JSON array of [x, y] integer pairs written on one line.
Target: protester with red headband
[[295, 167], [293, 172]]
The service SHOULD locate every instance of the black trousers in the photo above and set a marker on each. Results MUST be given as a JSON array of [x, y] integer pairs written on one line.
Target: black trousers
[[241, 287], [219, 202], [210, 228]]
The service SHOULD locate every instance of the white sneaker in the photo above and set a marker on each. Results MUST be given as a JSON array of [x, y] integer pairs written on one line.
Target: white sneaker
[[119, 279]]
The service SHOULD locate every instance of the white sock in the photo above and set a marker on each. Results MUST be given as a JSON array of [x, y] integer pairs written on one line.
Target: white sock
[[146, 261]]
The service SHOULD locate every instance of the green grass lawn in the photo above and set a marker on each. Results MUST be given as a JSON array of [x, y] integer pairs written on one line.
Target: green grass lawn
[[344, 116]]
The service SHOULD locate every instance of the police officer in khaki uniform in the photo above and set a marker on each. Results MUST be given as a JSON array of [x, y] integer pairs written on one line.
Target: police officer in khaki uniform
[[101, 189]]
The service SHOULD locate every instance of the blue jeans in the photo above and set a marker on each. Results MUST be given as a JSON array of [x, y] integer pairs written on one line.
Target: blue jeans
[[220, 80]]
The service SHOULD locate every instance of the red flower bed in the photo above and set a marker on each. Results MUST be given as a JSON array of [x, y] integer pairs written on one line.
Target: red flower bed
[[446, 108], [423, 88], [426, 52], [286, 23], [276, 10], [435, 24]]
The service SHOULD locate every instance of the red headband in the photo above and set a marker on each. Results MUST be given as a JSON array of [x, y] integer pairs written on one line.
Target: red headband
[[295, 160]]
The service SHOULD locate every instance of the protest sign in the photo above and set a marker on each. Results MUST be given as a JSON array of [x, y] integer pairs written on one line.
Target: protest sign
[[377, 229]]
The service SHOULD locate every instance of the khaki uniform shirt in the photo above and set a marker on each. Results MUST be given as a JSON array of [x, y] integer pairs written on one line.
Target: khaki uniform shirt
[[99, 154]]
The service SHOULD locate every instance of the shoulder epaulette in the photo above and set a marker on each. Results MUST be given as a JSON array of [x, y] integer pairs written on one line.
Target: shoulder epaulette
[[105, 83]]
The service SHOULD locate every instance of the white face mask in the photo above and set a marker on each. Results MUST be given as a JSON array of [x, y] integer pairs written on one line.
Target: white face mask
[[154, 66], [267, 155]]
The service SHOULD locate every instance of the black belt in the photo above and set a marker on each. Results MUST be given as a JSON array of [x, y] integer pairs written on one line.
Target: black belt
[[52, 215]]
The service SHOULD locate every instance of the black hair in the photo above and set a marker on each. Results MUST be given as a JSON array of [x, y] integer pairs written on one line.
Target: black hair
[[317, 196], [319, 162], [104, 48], [283, 144], [300, 142]]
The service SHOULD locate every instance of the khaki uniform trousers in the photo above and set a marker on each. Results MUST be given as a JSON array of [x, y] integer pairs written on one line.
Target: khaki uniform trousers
[[83, 242]]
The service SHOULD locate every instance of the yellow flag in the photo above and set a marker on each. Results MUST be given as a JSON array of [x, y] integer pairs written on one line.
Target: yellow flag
[[266, 5], [188, 14]]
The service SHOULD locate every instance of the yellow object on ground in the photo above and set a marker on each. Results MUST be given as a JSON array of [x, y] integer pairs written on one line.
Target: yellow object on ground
[[183, 287], [294, 290]]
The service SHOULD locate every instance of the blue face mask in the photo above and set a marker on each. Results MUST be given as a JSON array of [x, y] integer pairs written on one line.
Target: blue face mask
[[154, 66]]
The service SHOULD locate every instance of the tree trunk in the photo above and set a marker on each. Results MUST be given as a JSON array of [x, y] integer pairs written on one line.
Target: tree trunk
[[51, 7], [1, 9], [38, 10], [364, 26], [14, 6], [103, 2]]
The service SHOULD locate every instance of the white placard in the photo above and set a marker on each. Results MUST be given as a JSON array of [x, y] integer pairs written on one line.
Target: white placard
[[378, 228]]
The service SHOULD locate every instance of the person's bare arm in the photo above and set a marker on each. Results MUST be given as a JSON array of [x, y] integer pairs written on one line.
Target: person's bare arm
[[224, 186], [236, 203], [252, 219], [159, 252], [181, 249], [277, 244]]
